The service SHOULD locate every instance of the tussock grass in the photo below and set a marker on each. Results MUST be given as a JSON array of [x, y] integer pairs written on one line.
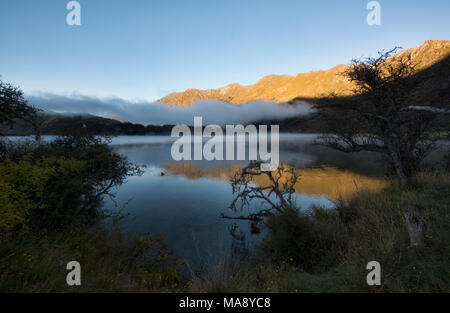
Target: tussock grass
[[329, 250], [110, 262], [379, 233], [326, 251]]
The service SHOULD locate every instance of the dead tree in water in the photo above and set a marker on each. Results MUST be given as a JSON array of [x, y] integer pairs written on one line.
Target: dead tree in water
[[281, 184]]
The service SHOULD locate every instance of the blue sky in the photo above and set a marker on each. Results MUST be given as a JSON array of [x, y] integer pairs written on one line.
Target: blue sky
[[143, 49]]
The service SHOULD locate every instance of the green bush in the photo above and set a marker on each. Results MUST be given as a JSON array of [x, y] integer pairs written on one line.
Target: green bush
[[312, 243], [51, 185], [446, 162], [158, 266], [24, 186]]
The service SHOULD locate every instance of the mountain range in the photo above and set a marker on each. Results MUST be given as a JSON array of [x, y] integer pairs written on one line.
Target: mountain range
[[310, 85], [432, 59]]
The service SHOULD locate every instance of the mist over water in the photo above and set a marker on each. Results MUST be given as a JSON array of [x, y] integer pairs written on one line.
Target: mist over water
[[156, 113]]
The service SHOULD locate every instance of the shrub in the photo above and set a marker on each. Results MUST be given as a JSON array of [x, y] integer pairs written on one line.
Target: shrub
[[51, 185], [158, 268], [446, 162], [24, 185], [313, 244], [111, 261]]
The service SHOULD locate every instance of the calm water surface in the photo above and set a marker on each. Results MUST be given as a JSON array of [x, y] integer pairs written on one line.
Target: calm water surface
[[185, 202]]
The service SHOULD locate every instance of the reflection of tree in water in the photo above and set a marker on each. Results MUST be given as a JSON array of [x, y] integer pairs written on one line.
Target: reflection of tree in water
[[276, 196], [333, 183], [239, 245]]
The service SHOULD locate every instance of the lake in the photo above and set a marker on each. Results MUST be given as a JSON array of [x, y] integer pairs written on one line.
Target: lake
[[184, 200]]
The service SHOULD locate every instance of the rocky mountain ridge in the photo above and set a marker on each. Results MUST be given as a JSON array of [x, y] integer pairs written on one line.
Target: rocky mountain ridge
[[313, 84]]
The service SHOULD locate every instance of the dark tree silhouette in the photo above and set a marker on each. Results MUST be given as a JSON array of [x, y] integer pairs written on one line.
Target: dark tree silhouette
[[13, 105], [384, 115], [276, 195]]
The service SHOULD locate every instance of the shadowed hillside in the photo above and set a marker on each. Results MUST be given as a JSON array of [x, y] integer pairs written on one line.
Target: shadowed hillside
[[432, 89], [59, 124]]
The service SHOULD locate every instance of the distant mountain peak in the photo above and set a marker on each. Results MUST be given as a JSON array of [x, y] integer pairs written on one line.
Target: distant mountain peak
[[312, 84]]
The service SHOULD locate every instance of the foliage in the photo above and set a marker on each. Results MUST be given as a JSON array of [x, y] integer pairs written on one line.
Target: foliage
[[328, 250], [13, 105], [51, 197], [446, 162], [378, 232], [111, 261], [24, 186], [383, 116], [313, 243], [51, 185], [158, 267]]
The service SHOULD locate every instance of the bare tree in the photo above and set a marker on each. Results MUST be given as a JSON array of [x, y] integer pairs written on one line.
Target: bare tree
[[277, 194], [383, 116]]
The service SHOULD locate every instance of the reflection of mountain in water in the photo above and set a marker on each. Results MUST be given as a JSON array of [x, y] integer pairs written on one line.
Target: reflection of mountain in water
[[328, 181]]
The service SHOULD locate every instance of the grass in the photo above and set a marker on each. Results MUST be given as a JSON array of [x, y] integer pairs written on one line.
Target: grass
[[110, 262], [379, 233], [324, 252], [329, 251]]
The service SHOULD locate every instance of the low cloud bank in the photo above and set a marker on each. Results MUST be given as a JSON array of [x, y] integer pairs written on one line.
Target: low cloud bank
[[155, 113]]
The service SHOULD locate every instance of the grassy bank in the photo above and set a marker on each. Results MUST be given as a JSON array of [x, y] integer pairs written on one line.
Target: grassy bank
[[326, 251], [110, 262]]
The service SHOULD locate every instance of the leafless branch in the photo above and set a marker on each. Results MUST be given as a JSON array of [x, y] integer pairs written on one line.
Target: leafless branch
[[277, 194]]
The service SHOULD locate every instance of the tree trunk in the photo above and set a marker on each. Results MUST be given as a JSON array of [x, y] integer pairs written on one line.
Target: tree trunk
[[399, 168], [401, 175]]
